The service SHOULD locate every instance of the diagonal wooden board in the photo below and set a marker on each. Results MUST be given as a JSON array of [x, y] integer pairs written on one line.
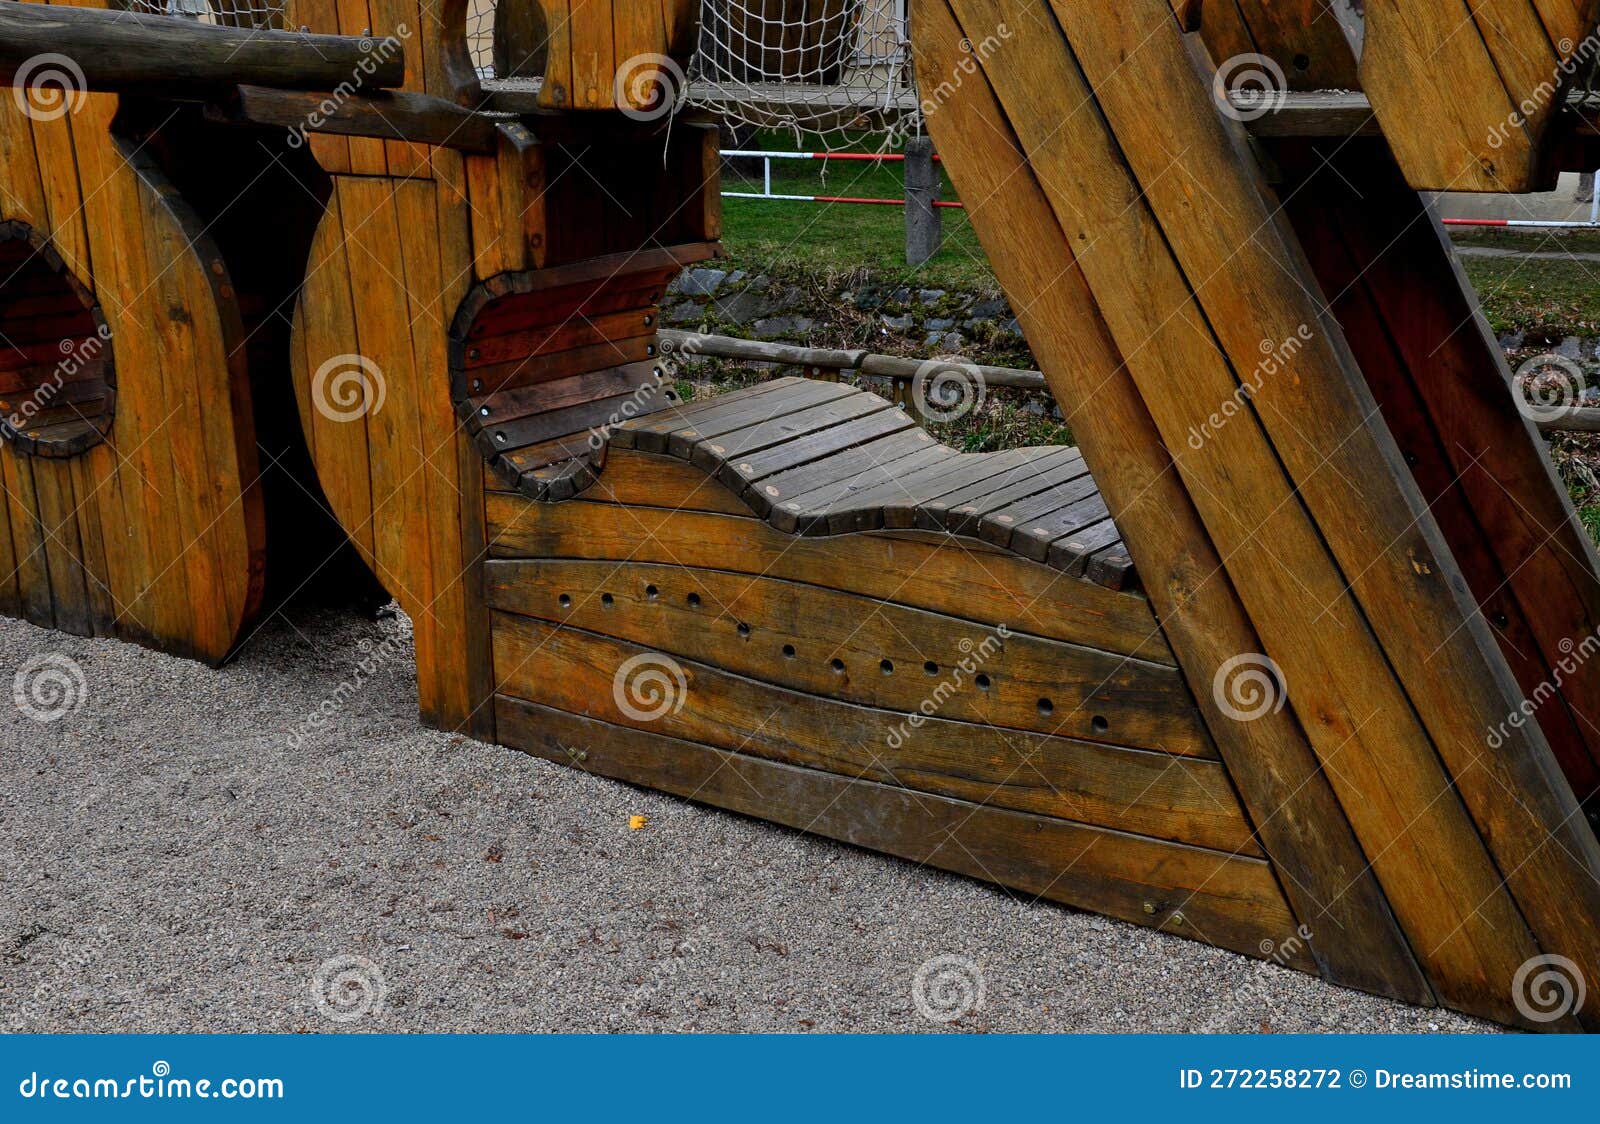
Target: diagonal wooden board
[[1298, 819], [1391, 689]]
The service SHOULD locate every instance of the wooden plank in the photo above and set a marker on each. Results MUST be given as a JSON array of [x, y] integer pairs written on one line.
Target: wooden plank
[[594, 62], [1434, 86], [322, 17], [919, 574], [494, 248], [532, 370], [1148, 793], [338, 441], [106, 201], [558, 91], [554, 310], [785, 461], [456, 278], [581, 331], [24, 198], [570, 391], [450, 503], [368, 155], [1016, 481], [418, 120], [406, 158], [396, 455], [1304, 38], [1065, 501], [865, 510], [594, 417], [28, 534], [638, 31], [1397, 564], [58, 171], [1233, 901], [830, 643], [812, 511], [1442, 382], [781, 496], [148, 474], [10, 596], [97, 579], [647, 480], [779, 396], [228, 506], [1324, 870], [63, 549], [521, 175], [1050, 482]]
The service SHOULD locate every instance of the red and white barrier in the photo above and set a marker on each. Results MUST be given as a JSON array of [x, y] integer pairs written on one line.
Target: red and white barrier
[[766, 191]]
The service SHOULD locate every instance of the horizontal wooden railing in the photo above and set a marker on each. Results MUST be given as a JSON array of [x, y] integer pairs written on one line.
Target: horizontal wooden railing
[[823, 361]]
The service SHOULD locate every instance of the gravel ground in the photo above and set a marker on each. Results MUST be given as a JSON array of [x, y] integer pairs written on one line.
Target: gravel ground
[[178, 854]]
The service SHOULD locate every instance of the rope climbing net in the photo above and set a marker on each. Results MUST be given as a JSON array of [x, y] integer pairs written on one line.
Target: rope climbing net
[[835, 71], [263, 14], [831, 70]]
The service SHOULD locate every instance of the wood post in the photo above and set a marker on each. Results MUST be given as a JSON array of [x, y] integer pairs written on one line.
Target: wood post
[[922, 188], [128, 52]]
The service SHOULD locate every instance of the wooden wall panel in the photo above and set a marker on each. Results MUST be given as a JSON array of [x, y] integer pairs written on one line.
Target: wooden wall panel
[[1400, 609], [1326, 874]]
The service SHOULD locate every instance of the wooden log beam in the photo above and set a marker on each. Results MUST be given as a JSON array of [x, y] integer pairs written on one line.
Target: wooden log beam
[[395, 115], [126, 52], [895, 367]]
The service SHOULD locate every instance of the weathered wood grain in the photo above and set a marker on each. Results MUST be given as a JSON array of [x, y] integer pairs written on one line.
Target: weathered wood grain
[[863, 650], [1150, 794], [1325, 873], [1230, 901]]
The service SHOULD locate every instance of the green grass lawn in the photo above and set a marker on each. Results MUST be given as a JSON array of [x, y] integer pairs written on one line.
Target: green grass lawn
[[824, 240], [840, 238], [830, 247], [1539, 296]]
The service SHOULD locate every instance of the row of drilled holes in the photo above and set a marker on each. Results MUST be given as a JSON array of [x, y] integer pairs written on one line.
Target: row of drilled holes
[[1045, 706]]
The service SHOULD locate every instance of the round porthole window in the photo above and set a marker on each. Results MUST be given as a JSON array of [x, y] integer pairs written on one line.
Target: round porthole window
[[57, 379]]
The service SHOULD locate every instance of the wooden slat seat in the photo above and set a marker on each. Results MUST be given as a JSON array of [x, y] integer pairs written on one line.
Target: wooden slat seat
[[816, 458]]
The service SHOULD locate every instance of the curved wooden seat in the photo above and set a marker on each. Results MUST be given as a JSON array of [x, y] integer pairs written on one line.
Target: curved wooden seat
[[818, 458]]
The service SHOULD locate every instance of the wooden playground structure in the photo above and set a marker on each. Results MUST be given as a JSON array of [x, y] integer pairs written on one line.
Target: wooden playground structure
[[1253, 664]]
